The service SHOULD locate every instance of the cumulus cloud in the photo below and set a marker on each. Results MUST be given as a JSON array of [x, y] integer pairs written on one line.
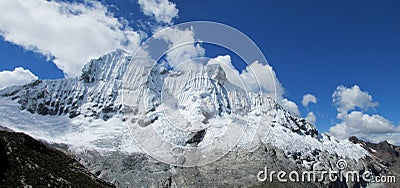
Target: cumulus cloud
[[232, 74], [311, 117], [307, 99], [181, 45], [392, 138], [225, 61], [346, 99], [163, 11], [290, 106], [19, 76], [254, 78], [258, 77], [368, 127], [257, 74], [374, 127], [70, 34]]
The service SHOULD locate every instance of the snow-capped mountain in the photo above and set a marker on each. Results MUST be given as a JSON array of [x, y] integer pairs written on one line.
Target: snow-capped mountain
[[190, 117]]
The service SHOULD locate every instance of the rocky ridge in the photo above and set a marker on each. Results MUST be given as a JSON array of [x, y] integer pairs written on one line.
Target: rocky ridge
[[116, 89], [25, 161]]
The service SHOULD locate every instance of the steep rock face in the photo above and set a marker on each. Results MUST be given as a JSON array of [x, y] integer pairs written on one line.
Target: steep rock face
[[94, 94], [280, 116], [194, 107], [383, 159], [50, 97]]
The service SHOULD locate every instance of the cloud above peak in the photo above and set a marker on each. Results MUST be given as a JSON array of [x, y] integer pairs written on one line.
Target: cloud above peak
[[256, 77], [311, 118], [69, 34]]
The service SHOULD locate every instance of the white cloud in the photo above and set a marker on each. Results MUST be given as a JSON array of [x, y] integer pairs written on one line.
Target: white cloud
[[311, 117], [232, 74], [392, 138], [19, 76], [224, 60], [181, 44], [254, 78], [182, 48], [163, 11], [347, 99], [308, 98], [368, 127], [290, 106], [257, 74], [70, 33], [357, 123]]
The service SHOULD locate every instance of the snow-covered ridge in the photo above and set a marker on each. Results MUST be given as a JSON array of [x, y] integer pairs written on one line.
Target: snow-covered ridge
[[94, 93], [115, 85]]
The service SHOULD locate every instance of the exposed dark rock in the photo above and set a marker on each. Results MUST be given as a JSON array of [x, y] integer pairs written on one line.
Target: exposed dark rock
[[25, 161], [197, 137], [384, 158]]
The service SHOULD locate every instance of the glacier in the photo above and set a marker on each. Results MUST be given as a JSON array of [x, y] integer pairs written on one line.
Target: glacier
[[98, 103], [187, 117]]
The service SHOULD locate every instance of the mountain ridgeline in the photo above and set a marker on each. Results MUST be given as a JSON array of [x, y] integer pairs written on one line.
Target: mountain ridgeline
[[98, 92], [188, 108]]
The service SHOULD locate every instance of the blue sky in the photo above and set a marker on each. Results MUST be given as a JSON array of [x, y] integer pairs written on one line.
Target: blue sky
[[313, 46]]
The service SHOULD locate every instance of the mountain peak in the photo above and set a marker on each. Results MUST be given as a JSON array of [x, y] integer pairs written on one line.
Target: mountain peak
[[194, 103], [107, 66]]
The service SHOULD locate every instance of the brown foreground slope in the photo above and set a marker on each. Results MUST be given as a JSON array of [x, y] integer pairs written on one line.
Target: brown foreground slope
[[25, 161]]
